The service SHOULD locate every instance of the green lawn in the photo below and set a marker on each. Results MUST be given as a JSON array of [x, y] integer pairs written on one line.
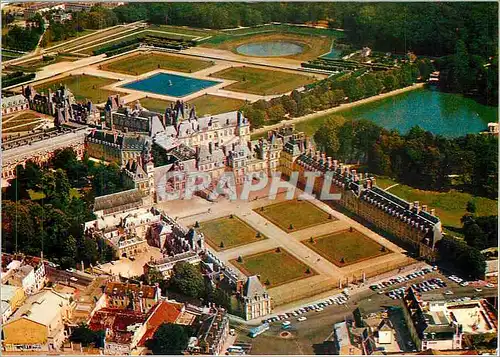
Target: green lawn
[[262, 81], [205, 104], [82, 86], [352, 247], [311, 126], [36, 195], [34, 65], [232, 232], [299, 214], [275, 267], [449, 206], [143, 63]]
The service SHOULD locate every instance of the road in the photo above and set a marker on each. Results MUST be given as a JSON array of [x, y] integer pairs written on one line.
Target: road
[[308, 337]]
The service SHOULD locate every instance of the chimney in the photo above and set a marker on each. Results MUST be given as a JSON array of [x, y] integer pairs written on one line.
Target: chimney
[[432, 211], [416, 205], [424, 208], [374, 181], [353, 173], [335, 164], [210, 148]]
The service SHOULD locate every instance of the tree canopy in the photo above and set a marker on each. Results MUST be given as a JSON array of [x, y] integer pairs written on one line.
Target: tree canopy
[[169, 339]]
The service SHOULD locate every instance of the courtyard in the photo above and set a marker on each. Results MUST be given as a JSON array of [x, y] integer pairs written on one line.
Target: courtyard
[[294, 215], [146, 62], [346, 247], [83, 87], [275, 267], [228, 232], [262, 81]]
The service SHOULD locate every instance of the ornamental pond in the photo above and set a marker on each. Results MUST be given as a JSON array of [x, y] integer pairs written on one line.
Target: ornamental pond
[[170, 84], [270, 49]]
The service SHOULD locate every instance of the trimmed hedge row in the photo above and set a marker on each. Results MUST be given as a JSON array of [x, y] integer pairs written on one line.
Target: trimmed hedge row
[[117, 46], [122, 49], [16, 77]]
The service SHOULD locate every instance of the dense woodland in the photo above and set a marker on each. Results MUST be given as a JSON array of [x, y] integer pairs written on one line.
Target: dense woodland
[[97, 18], [54, 223], [418, 158]]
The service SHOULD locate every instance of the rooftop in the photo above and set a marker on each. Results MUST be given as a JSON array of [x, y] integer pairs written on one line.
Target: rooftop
[[121, 289], [163, 312]]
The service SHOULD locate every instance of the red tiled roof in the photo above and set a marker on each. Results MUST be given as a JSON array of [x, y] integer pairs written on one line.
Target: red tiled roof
[[115, 319], [163, 312], [123, 289]]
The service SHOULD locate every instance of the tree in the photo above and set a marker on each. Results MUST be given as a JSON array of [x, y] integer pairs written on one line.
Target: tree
[[471, 207], [327, 136], [84, 335], [169, 339], [240, 259], [474, 236], [188, 280]]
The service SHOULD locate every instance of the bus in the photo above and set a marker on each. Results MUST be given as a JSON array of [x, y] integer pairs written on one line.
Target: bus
[[234, 349], [286, 325], [256, 331]]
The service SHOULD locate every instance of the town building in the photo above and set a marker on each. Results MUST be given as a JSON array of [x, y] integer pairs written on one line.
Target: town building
[[38, 325], [212, 334], [436, 322], [140, 298], [255, 300], [164, 312], [14, 104], [12, 297], [123, 329], [26, 272], [344, 340]]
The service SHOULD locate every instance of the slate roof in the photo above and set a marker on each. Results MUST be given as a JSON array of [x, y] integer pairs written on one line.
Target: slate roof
[[118, 199], [253, 287]]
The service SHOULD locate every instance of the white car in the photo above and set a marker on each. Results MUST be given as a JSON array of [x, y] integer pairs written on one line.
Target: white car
[[465, 283], [449, 292], [302, 318], [73, 279], [490, 285], [478, 290], [319, 309]]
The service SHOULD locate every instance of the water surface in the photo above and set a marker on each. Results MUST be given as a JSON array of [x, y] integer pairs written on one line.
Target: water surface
[[270, 49]]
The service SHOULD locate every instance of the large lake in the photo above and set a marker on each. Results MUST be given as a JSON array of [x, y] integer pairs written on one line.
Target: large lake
[[441, 113]]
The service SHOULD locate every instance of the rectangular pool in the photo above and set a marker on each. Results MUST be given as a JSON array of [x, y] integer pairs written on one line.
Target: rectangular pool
[[170, 84]]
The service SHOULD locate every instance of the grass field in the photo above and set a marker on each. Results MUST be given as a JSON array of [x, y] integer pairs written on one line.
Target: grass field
[[78, 34], [450, 206], [232, 232], [34, 65], [205, 104], [82, 86], [275, 268], [143, 63], [22, 122], [311, 126], [262, 81], [183, 30], [91, 40], [299, 214], [345, 248]]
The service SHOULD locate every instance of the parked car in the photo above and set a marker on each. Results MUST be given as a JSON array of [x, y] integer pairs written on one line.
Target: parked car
[[478, 290], [448, 292], [302, 318]]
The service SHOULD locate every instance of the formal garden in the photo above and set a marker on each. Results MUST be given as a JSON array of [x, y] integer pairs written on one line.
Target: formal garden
[[262, 81], [146, 62], [275, 267], [83, 87], [228, 232], [346, 247], [294, 215]]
